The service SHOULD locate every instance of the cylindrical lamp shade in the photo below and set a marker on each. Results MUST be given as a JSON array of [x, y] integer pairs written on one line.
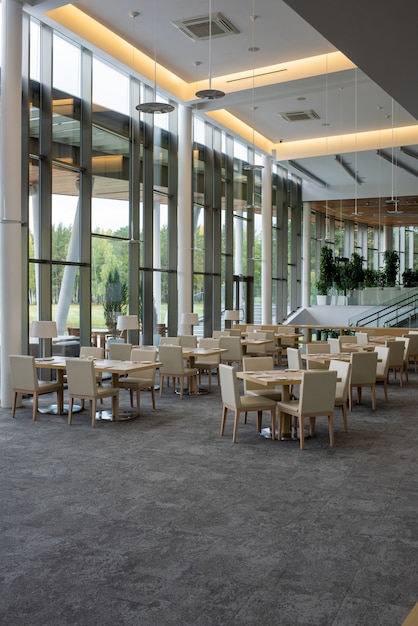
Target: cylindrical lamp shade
[[231, 315], [43, 329], [127, 322], [189, 319]]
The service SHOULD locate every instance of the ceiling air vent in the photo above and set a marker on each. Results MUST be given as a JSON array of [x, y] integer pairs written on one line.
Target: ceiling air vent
[[299, 116], [197, 28]]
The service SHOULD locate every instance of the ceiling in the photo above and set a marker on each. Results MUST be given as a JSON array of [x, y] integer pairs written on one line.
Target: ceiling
[[365, 99]]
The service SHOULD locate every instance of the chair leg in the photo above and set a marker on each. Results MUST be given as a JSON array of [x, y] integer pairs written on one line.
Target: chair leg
[[301, 432], [373, 390], [138, 400], [14, 403], [153, 397], [93, 404], [131, 396], [273, 424], [385, 389], [350, 399], [331, 429], [161, 384], [344, 410], [236, 420], [70, 410], [259, 420], [312, 424], [115, 407], [224, 412], [35, 406]]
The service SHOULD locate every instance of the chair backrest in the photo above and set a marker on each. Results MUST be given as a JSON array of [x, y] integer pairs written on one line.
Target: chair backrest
[[256, 335], [111, 340], [81, 378], [188, 341], [92, 351], [140, 354], [348, 339], [235, 332], [334, 345], [413, 342], [407, 347], [382, 361], [217, 334], [317, 392], [396, 352], [362, 338], [170, 341], [172, 360], [209, 342], [294, 359], [23, 372], [229, 386], [120, 351], [318, 348], [363, 368], [233, 346], [255, 363], [343, 369]]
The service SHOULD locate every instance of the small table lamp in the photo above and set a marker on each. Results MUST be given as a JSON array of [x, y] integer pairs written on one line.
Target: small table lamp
[[43, 329], [127, 322], [232, 315], [189, 320]]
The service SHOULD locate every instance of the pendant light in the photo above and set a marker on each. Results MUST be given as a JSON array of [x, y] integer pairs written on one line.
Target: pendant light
[[155, 106], [393, 199], [355, 212], [209, 93], [253, 49]]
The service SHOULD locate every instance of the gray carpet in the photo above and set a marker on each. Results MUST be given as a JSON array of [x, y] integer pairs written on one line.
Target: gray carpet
[[161, 521]]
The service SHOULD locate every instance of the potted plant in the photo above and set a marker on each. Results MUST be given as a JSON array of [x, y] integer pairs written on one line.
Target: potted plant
[[115, 300], [326, 274], [391, 267]]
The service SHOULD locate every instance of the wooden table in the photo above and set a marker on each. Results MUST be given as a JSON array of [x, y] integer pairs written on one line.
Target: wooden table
[[194, 353], [273, 378], [327, 357], [357, 347], [115, 368], [247, 343]]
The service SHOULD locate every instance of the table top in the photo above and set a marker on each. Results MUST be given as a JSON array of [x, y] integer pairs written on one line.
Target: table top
[[327, 356], [271, 378], [255, 342], [358, 347], [203, 351], [101, 365]]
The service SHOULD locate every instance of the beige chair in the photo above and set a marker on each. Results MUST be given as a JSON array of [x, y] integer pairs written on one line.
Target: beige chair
[[144, 379], [256, 349], [82, 384], [406, 354], [396, 358], [256, 364], [24, 379], [217, 334], [92, 351], [234, 351], [382, 370], [120, 351], [343, 369], [272, 349], [188, 341], [334, 345], [317, 398], [363, 374], [317, 347], [348, 339], [235, 332], [233, 401], [362, 338], [294, 359], [173, 367], [413, 349], [209, 364], [170, 341]]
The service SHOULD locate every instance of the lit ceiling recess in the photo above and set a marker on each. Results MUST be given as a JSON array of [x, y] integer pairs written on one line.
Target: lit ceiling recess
[[154, 106], [201, 28]]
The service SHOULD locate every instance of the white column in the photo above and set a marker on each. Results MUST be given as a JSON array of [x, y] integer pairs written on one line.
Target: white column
[[185, 214], [266, 244], [10, 191], [306, 254], [157, 261]]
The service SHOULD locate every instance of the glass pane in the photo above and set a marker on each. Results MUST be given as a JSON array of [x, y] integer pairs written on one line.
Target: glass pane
[[66, 66], [66, 111], [116, 98], [34, 51], [109, 280], [65, 215]]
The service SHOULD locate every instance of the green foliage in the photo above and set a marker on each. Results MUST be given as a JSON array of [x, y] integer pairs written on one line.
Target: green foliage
[[326, 271], [349, 273], [410, 278], [391, 267], [116, 297], [373, 278]]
